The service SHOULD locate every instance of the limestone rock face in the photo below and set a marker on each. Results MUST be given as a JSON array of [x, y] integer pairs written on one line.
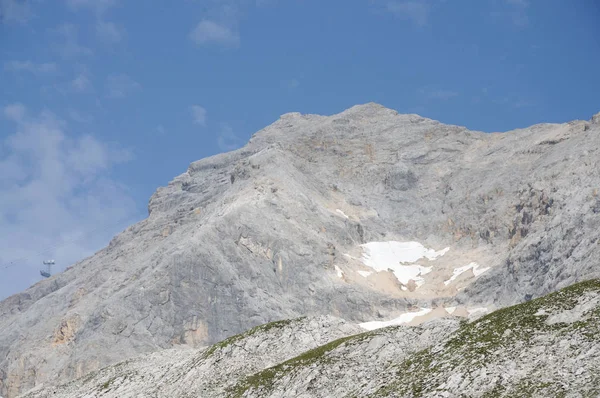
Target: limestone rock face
[[187, 372], [545, 347], [281, 228]]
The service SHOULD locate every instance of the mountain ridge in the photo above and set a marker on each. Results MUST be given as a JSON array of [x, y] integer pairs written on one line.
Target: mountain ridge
[[277, 229]]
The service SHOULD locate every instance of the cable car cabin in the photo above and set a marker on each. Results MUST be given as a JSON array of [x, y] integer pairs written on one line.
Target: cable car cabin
[[45, 274]]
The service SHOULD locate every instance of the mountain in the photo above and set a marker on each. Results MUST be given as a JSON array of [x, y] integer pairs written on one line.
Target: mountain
[[369, 215], [545, 347]]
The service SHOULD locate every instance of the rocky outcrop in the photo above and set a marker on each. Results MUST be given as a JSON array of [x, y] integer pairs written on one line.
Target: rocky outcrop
[[545, 347], [186, 372], [277, 230]]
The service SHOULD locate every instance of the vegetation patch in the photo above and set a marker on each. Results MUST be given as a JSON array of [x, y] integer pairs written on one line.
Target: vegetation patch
[[106, 384], [258, 329], [475, 345], [264, 381]]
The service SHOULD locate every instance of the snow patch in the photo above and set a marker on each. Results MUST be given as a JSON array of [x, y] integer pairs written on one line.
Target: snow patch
[[457, 271], [450, 310], [364, 274], [404, 318], [341, 212], [382, 256], [339, 272]]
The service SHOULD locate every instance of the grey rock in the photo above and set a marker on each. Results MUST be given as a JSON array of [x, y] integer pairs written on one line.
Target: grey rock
[[252, 236], [187, 372], [518, 351]]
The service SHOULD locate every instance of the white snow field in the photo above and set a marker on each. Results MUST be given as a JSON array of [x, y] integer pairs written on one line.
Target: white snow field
[[400, 258], [404, 318], [342, 213], [457, 271]]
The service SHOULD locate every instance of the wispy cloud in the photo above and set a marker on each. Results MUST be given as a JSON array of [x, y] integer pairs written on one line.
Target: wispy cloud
[[67, 43], [28, 66], [514, 11], [437, 94], [55, 190], [442, 94], [81, 83], [212, 32], [98, 6], [14, 112], [523, 103], [79, 117], [120, 86], [108, 32], [198, 114], [416, 11], [519, 3], [15, 11], [160, 129], [227, 140], [292, 84]]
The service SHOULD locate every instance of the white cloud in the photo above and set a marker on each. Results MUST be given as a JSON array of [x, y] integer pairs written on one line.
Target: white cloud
[[14, 112], [292, 84], [442, 94], [99, 6], [523, 103], [417, 10], [120, 86], [198, 114], [81, 83], [437, 94], [519, 3], [68, 42], [79, 117], [160, 129], [227, 140], [55, 190], [108, 32], [28, 66], [209, 31], [15, 11], [514, 11]]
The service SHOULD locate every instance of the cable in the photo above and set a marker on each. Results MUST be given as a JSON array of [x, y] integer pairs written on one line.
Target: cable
[[17, 261]]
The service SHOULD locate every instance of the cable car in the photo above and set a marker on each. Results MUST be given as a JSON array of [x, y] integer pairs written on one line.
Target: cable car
[[47, 273]]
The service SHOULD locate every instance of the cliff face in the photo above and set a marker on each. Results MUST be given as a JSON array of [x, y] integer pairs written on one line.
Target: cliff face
[[545, 347], [365, 215]]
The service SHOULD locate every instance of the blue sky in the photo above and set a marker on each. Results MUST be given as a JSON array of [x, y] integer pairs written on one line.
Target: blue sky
[[102, 101]]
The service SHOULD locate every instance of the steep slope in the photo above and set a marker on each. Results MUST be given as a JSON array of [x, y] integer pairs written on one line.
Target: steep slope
[[186, 372], [365, 215], [546, 347], [221, 370]]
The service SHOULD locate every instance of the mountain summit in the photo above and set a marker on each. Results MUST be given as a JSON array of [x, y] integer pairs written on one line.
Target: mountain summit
[[372, 216]]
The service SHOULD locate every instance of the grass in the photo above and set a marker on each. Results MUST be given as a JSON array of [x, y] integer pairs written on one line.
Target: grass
[[477, 344], [264, 381], [258, 329]]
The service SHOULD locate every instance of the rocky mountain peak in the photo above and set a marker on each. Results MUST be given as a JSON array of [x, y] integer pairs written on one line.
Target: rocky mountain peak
[[368, 215]]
